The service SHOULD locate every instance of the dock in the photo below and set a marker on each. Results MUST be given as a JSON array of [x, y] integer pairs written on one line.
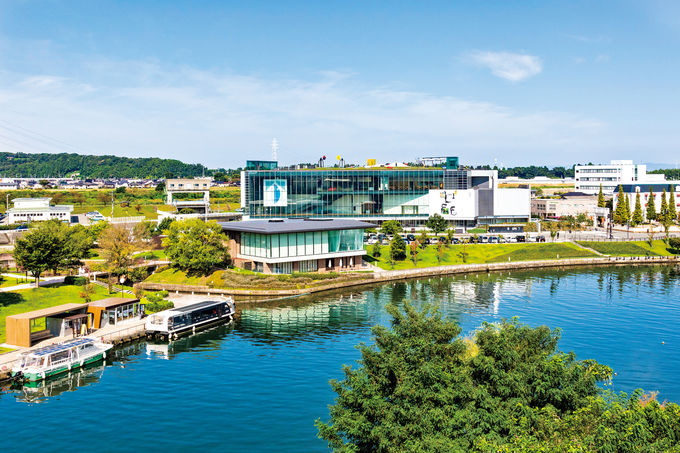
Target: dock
[[115, 335]]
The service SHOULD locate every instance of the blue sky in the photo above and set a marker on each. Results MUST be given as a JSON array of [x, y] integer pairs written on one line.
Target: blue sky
[[518, 83]]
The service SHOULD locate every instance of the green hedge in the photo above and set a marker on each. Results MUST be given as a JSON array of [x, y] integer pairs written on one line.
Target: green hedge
[[73, 280]]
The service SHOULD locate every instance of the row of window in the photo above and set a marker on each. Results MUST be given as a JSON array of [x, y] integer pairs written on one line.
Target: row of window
[[300, 244]]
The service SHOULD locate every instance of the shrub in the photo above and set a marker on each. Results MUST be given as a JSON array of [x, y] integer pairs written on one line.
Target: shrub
[[674, 244], [154, 307], [74, 280]]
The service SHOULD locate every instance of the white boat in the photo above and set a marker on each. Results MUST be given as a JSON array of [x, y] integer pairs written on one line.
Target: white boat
[[176, 322], [42, 363]]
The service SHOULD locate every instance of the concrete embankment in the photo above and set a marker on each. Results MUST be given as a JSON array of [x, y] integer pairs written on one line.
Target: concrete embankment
[[386, 276]]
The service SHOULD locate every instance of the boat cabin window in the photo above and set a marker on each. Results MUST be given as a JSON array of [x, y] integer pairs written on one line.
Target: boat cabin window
[[60, 356], [157, 320], [33, 361], [87, 347], [179, 321]]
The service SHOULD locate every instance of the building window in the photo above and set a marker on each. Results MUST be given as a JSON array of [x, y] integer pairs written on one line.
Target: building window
[[309, 266]]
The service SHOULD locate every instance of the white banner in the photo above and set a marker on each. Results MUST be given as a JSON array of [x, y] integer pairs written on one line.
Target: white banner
[[453, 204], [275, 192]]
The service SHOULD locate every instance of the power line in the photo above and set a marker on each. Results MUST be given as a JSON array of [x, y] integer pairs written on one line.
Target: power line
[[39, 136]]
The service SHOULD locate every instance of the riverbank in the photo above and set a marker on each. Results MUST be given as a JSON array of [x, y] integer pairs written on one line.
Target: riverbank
[[386, 276]]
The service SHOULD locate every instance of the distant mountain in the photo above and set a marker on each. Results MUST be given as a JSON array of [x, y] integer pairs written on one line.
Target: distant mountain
[[16, 165]]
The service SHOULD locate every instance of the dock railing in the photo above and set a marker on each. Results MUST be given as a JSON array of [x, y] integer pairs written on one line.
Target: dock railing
[[125, 332]]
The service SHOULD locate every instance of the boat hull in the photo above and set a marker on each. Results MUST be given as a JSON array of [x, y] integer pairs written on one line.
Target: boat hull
[[188, 330], [34, 375]]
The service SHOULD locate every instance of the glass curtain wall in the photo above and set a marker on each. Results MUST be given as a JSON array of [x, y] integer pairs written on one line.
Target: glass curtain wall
[[300, 244], [347, 193]]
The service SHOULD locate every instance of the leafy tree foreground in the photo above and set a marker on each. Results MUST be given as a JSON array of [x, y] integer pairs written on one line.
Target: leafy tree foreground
[[421, 387]]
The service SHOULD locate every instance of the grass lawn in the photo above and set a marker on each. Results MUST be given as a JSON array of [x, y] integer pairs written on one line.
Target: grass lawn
[[487, 253], [9, 281], [152, 255], [629, 248], [43, 297], [147, 210], [177, 277]]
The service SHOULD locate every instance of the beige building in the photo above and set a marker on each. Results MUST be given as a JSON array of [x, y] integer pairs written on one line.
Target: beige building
[[569, 204], [188, 193]]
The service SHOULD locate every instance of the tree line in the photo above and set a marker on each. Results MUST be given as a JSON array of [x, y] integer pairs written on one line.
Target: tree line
[[44, 165]]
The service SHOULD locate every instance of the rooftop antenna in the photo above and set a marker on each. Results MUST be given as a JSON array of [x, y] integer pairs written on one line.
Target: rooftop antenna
[[275, 150]]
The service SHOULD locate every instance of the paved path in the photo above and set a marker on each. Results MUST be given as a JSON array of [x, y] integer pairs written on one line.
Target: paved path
[[42, 282]]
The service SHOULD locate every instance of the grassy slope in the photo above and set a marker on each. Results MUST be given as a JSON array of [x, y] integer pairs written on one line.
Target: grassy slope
[[629, 248], [43, 297], [488, 253], [242, 279]]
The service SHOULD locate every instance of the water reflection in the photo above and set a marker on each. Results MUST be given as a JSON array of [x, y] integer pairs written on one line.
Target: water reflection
[[38, 392], [209, 339]]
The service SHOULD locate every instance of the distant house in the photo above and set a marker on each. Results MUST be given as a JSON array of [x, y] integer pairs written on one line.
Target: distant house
[[37, 209], [7, 261]]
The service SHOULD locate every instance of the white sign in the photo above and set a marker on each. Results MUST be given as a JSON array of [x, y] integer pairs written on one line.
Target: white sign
[[453, 204], [275, 192]]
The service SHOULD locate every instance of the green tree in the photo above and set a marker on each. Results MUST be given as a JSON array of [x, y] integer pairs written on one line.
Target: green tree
[[621, 213], [96, 229], [164, 224], [627, 200], [637, 218], [672, 210], [39, 249], [375, 250], [436, 223], [391, 227], [600, 198], [118, 246], [449, 236], [651, 207], [421, 387], [195, 246], [397, 248], [663, 211], [422, 239]]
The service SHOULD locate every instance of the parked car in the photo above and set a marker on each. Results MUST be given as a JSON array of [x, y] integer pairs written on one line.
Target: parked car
[[521, 238], [493, 239], [21, 228], [443, 239], [455, 241], [540, 238], [410, 237]]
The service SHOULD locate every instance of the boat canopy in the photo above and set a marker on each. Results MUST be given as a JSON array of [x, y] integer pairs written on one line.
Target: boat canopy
[[59, 347]]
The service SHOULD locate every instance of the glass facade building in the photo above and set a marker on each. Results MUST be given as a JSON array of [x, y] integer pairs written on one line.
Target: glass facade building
[[348, 193], [300, 244]]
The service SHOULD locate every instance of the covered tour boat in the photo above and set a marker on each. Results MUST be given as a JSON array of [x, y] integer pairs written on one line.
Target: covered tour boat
[[41, 363], [176, 322]]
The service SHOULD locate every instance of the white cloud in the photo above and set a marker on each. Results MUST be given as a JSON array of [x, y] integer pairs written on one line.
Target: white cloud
[[507, 65], [223, 119]]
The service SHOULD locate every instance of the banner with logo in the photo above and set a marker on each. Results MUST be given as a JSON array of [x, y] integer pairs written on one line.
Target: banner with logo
[[275, 192]]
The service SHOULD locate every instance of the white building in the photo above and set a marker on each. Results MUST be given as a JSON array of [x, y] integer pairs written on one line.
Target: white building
[[590, 177], [37, 209], [631, 190]]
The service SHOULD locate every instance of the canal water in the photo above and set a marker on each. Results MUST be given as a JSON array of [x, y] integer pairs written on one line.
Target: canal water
[[259, 384]]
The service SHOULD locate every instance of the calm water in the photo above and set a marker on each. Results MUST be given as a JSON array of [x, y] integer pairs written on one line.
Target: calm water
[[259, 384]]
